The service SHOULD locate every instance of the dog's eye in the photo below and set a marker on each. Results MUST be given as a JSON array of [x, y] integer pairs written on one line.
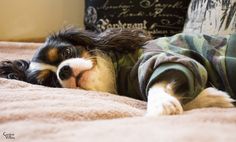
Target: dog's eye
[[67, 53]]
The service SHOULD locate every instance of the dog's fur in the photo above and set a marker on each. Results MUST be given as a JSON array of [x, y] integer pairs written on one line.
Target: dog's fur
[[74, 58]]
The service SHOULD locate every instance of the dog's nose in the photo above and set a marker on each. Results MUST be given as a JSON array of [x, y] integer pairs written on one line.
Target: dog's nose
[[65, 72]]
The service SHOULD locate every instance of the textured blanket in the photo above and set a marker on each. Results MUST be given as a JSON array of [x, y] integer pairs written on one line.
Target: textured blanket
[[36, 113]]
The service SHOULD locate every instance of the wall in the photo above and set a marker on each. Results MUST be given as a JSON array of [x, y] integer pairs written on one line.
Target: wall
[[34, 19]]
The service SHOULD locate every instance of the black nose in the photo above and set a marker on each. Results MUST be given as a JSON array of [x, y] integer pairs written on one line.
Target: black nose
[[65, 72]]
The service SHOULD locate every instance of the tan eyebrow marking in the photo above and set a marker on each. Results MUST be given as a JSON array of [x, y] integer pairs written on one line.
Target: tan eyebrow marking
[[53, 54]]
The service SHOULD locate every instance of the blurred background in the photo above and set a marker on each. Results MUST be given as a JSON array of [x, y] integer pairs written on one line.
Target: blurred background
[[32, 20]]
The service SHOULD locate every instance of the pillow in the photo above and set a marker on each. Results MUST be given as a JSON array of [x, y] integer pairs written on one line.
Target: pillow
[[159, 17], [216, 17]]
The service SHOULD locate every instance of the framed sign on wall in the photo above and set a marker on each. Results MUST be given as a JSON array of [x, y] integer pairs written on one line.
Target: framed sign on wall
[[159, 17]]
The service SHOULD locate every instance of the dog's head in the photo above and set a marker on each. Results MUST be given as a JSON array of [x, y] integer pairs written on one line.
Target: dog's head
[[73, 58]]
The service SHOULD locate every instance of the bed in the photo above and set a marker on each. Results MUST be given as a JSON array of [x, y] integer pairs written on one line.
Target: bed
[[37, 113]]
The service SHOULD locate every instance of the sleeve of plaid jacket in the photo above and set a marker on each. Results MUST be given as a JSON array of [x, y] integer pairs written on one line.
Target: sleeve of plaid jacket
[[163, 55]]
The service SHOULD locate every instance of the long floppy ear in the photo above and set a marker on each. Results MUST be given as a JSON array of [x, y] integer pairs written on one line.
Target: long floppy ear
[[16, 69], [74, 36], [122, 40]]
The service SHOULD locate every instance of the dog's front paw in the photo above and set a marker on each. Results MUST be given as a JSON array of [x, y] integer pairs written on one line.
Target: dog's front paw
[[161, 103]]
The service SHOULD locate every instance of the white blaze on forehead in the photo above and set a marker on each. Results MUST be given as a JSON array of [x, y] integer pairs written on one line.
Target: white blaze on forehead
[[34, 66], [77, 65]]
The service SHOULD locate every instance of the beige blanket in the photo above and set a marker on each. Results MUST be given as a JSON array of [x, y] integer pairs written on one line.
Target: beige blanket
[[36, 113]]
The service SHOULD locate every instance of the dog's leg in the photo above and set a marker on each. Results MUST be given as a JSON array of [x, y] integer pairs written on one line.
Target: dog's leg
[[161, 101], [210, 97]]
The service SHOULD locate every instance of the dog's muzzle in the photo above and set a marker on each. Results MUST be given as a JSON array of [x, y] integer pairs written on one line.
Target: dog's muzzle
[[66, 72], [72, 70]]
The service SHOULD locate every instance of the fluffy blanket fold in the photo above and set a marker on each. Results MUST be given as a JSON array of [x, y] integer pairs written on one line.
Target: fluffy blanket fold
[[37, 113]]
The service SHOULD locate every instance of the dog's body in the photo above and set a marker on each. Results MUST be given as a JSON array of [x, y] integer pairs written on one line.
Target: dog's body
[[129, 63]]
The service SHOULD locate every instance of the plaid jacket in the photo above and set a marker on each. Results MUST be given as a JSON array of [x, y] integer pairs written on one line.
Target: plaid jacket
[[204, 60]]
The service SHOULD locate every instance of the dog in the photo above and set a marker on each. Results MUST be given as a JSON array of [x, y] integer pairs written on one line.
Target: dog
[[170, 77]]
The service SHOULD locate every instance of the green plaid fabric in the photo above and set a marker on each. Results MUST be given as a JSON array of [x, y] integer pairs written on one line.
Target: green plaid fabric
[[204, 60]]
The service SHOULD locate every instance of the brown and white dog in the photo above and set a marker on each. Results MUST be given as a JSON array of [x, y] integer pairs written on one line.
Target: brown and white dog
[[73, 58]]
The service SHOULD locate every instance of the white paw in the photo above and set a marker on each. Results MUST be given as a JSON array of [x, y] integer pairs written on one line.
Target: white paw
[[161, 103]]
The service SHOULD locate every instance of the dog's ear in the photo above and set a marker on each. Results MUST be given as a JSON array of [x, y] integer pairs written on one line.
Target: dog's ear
[[122, 40], [16, 69], [74, 36]]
